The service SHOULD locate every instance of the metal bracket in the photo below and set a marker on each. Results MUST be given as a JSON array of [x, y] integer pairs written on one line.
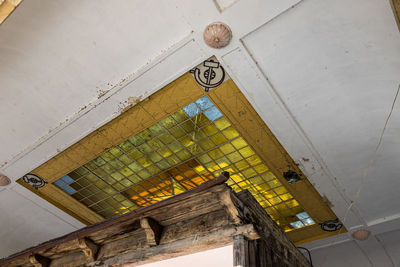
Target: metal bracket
[[34, 180], [209, 74], [331, 225]]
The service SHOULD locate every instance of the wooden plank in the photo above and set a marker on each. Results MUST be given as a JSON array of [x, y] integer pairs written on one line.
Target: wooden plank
[[275, 237], [72, 259], [240, 251], [205, 241], [153, 231], [137, 240], [140, 239], [130, 216], [226, 199], [253, 254], [88, 248]]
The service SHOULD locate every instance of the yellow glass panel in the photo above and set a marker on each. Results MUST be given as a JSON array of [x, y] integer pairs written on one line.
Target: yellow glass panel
[[261, 168], [210, 130], [230, 133], [280, 190], [176, 154], [239, 143], [222, 123], [218, 139]]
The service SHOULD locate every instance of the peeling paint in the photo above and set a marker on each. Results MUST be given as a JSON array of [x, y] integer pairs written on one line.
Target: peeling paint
[[102, 93], [132, 101]]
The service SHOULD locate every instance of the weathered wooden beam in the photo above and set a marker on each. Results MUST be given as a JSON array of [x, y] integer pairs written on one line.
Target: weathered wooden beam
[[129, 217], [204, 241], [88, 248], [253, 254], [226, 199], [240, 251], [198, 221], [135, 240], [39, 261], [275, 238], [153, 231]]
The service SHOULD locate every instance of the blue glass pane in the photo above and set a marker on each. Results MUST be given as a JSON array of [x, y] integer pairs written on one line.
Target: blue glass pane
[[213, 114], [297, 224], [302, 215], [191, 110], [204, 103], [67, 179], [59, 183], [308, 221], [69, 190]]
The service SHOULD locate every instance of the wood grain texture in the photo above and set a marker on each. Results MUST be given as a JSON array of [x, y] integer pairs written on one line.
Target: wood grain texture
[[206, 217]]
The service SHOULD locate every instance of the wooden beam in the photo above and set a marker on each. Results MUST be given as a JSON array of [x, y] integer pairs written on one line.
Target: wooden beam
[[130, 216], [230, 207], [185, 246], [39, 261], [153, 231], [253, 254], [88, 248], [240, 251]]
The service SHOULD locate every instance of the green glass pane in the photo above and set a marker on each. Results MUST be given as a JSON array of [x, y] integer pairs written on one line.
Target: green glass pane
[[126, 146], [168, 122], [180, 116]]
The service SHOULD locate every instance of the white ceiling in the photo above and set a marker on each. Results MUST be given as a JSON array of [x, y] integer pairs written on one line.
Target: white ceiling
[[322, 74]]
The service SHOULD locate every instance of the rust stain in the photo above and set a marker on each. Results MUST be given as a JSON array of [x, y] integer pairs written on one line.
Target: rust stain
[[305, 159]]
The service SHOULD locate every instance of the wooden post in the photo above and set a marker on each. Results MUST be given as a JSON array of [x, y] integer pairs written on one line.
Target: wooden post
[[240, 251], [253, 251]]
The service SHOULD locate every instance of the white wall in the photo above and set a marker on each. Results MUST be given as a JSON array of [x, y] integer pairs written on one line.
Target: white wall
[[221, 257]]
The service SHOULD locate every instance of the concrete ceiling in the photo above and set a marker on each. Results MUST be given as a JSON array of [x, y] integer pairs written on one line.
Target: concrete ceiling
[[322, 74]]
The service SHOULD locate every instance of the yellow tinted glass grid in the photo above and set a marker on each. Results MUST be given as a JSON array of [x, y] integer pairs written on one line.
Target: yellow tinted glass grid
[[185, 149]]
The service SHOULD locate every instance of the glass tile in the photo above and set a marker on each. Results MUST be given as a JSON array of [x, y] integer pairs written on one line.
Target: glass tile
[[126, 160], [297, 224], [238, 143], [136, 140], [308, 221], [210, 130], [66, 179], [115, 151], [183, 150], [180, 116], [144, 162], [177, 132], [156, 129], [213, 114], [191, 110], [166, 138], [218, 139], [204, 103], [59, 183], [168, 122], [126, 146], [230, 133], [302, 215]]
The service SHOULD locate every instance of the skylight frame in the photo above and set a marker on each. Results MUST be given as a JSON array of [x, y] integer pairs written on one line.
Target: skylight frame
[[183, 91]]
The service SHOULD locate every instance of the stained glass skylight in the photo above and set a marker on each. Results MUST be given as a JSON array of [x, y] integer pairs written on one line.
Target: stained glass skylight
[[185, 149]]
